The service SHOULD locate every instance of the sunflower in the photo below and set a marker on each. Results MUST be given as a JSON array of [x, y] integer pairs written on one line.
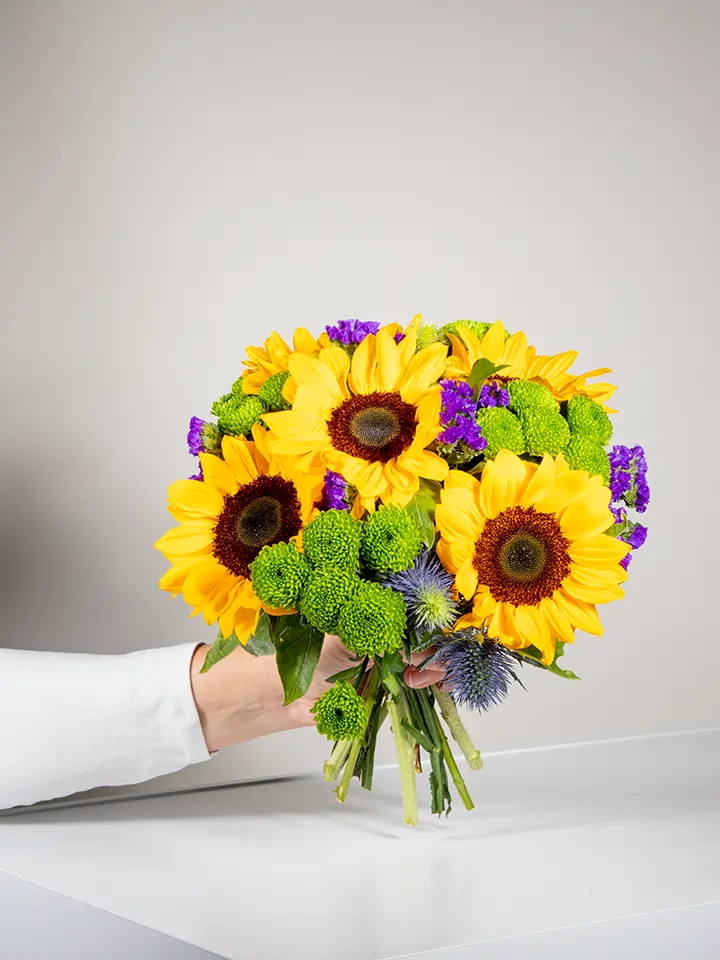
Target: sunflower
[[370, 419], [523, 363], [248, 500], [527, 545], [263, 362]]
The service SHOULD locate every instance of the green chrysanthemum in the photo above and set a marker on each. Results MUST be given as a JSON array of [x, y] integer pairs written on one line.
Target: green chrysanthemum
[[526, 395], [501, 429], [373, 621], [333, 540], [278, 575], [271, 391], [238, 388], [391, 539], [237, 415], [427, 334], [588, 419], [219, 404], [340, 713], [584, 453], [475, 326], [546, 431], [324, 594]]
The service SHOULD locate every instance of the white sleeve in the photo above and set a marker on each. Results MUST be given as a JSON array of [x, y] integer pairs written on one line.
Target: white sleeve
[[70, 722]]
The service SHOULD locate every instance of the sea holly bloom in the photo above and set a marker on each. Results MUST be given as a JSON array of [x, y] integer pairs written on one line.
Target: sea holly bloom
[[522, 361], [370, 418], [250, 499], [527, 545], [271, 358]]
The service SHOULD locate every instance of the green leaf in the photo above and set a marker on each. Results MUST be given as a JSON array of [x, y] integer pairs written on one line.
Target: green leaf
[[298, 652], [422, 509], [261, 643], [219, 650], [534, 656], [420, 737], [391, 663], [350, 674], [482, 369]]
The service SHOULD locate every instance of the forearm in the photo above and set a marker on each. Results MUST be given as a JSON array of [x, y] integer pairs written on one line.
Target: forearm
[[71, 722]]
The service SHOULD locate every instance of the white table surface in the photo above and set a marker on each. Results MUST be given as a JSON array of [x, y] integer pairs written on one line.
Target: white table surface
[[607, 843]]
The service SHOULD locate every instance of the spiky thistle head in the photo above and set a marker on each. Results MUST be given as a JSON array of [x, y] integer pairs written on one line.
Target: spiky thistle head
[[428, 591], [478, 670]]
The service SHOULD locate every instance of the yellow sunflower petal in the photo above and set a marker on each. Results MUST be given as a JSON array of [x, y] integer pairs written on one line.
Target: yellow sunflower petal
[[370, 480], [493, 343], [582, 615], [596, 594], [389, 370], [195, 498], [425, 464], [455, 524], [425, 369], [540, 483], [239, 458], [598, 550], [174, 578], [534, 630], [362, 369], [568, 485], [502, 483], [516, 348], [317, 378], [502, 626], [188, 538], [466, 579], [560, 626], [304, 341], [339, 362], [204, 579], [218, 474], [588, 514]]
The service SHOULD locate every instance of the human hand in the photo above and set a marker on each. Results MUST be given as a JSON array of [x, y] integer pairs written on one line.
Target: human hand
[[241, 698]]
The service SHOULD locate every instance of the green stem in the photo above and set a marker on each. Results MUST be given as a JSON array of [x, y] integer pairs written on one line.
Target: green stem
[[377, 719], [342, 789], [454, 771], [406, 763], [457, 728], [334, 763]]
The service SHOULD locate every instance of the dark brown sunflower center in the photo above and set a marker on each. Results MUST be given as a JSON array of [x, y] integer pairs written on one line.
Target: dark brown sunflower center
[[259, 522], [262, 512], [373, 426], [522, 556]]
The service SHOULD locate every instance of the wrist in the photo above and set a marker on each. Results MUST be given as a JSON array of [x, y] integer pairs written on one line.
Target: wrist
[[239, 699]]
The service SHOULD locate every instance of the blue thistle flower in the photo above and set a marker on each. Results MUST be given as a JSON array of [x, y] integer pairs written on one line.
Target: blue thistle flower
[[428, 592], [478, 672]]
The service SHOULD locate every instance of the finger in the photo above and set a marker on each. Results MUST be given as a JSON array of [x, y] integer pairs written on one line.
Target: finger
[[417, 679]]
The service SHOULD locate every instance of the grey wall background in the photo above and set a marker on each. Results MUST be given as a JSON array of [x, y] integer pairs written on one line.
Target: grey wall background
[[178, 179]]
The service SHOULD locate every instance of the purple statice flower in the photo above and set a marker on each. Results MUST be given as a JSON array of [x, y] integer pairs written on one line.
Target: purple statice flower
[[636, 537], [334, 492], [198, 475], [619, 513], [428, 591], [478, 674], [399, 336], [492, 394], [352, 331], [628, 477], [195, 437], [457, 415]]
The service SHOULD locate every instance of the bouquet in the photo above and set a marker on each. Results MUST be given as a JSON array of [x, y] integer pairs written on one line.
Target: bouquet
[[443, 491]]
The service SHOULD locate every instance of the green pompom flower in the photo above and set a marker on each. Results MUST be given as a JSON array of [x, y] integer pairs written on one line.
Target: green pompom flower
[[475, 326], [271, 391], [237, 415], [588, 419], [391, 539], [584, 453], [278, 575], [373, 621], [324, 593], [526, 395], [219, 404], [546, 431], [238, 388], [426, 335], [340, 713], [501, 429], [333, 540]]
